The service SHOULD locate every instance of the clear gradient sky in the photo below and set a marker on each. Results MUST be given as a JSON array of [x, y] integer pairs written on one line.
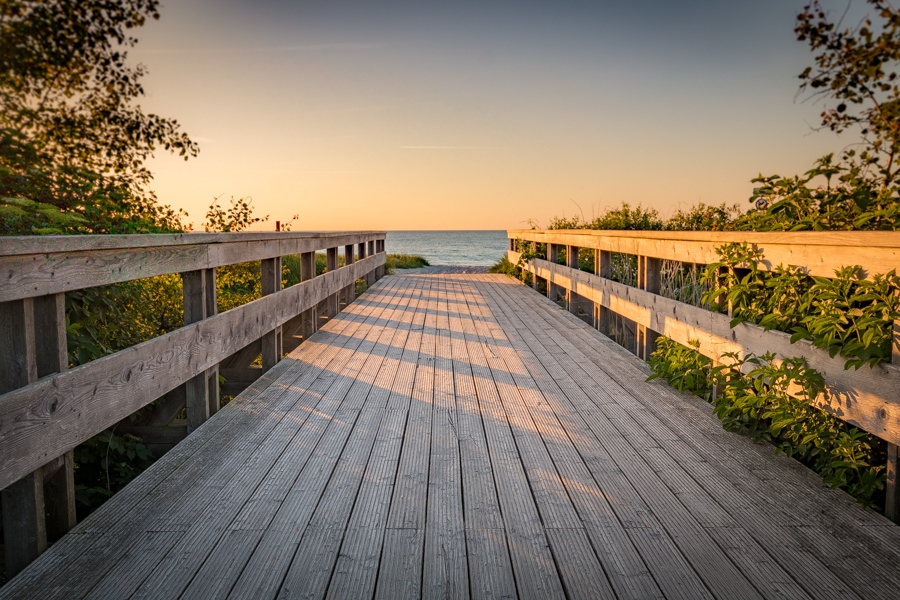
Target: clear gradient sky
[[476, 115]]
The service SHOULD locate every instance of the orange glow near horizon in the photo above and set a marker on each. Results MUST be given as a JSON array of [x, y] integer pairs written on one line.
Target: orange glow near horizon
[[477, 119]]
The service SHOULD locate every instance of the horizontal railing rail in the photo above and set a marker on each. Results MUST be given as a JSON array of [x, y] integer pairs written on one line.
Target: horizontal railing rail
[[36, 266], [47, 409], [868, 398]]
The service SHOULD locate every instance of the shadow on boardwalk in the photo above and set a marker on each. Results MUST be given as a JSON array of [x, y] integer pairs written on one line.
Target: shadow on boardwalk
[[457, 435]]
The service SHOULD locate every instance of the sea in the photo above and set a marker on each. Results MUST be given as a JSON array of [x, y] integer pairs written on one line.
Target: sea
[[467, 248]]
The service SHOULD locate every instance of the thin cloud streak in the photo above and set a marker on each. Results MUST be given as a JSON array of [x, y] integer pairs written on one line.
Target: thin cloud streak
[[452, 148], [261, 50]]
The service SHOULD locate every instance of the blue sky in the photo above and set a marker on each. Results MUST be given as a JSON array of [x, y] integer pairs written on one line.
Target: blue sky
[[412, 115]]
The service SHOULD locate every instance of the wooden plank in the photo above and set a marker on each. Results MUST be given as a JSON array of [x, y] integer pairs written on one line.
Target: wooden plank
[[356, 569], [309, 317], [818, 253], [196, 305], [717, 571], [711, 430], [333, 304], [270, 283], [204, 532], [236, 426], [535, 573], [880, 239], [51, 356], [220, 571], [135, 566], [51, 416], [797, 561], [294, 508], [862, 397], [46, 244], [445, 564], [22, 495], [626, 569], [53, 264], [410, 490], [24, 528], [892, 484], [400, 577], [490, 570], [581, 576]]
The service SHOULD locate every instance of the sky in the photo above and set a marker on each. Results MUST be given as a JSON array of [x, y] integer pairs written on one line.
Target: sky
[[476, 115]]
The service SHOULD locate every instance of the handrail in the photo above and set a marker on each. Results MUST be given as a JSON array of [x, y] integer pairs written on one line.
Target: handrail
[[819, 253], [39, 265], [866, 398], [46, 409]]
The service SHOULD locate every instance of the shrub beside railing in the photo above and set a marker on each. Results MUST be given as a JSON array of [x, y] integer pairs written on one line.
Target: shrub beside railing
[[791, 335]]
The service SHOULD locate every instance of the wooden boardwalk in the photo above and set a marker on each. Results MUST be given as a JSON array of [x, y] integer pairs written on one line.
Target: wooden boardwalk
[[457, 436]]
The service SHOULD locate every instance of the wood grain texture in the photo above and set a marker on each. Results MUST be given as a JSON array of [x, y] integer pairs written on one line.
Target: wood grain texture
[[51, 416], [818, 253], [459, 435], [865, 397], [34, 267]]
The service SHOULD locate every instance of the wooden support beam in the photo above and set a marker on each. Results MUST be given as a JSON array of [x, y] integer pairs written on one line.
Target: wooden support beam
[[24, 525], [572, 303], [349, 291], [270, 283], [53, 264], [892, 486], [199, 291], [370, 277], [212, 309], [309, 319], [333, 306], [552, 256], [652, 277], [99, 394], [52, 356], [602, 268]]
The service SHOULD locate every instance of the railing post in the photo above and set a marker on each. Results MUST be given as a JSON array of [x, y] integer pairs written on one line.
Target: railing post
[[52, 357], [361, 254], [572, 299], [648, 280], [212, 374], [333, 306], [308, 318], [272, 341], [370, 276], [651, 280], [24, 526], [602, 268], [201, 394], [350, 290], [892, 486], [553, 257], [379, 247]]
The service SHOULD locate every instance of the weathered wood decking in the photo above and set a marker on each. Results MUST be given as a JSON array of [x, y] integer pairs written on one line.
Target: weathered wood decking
[[460, 436]]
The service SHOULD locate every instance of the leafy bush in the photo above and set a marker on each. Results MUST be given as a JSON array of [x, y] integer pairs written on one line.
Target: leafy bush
[[104, 465], [753, 399], [846, 315]]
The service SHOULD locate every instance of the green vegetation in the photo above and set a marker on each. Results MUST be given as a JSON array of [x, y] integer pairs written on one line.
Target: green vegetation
[[846, 315], [507, 268], [405, 261], [72, 138]]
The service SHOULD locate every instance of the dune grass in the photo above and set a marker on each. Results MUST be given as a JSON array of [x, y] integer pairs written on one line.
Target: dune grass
[[405, 261]]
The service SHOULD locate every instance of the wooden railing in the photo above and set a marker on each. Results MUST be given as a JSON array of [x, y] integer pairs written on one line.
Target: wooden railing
[[868, 398], [47, 409]]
